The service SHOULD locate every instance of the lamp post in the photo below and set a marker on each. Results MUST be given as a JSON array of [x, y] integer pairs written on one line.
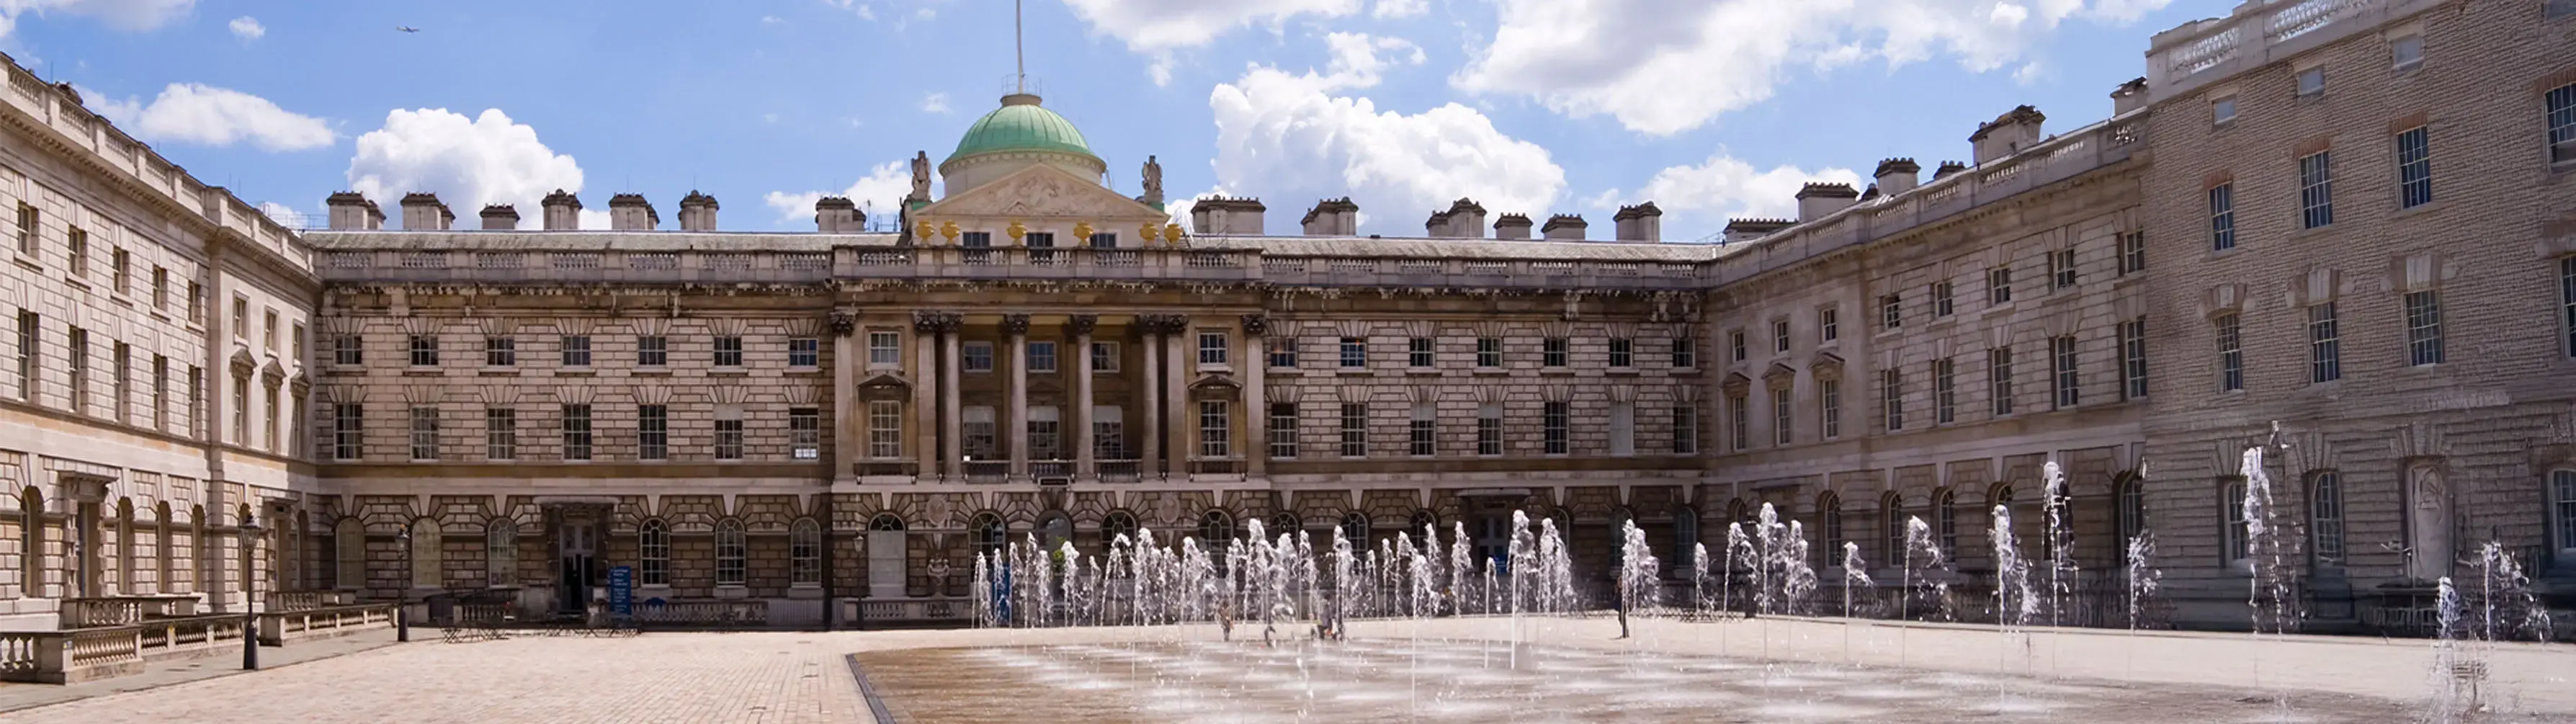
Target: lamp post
[[402, 592], [250, 594]]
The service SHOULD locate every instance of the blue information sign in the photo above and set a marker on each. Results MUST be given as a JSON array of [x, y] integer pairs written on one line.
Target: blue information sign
[[621, 590]]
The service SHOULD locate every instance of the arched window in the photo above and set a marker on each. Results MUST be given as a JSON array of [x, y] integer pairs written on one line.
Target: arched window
[[886, 522], [1945, 514], [1685, 539], [2325, 517], [1891, 518], [1054, 529], [887, 559], [1118, 523], [2131, 493], [31, 538], [349, 553], [992, 541], [501, 551], [1355, 528], [299, 542], [805, 553], [2562, 512], [731, 553], [1216, 532], [1426, 525], [1286, 523], [2231, 508], [197, 543], [424, 555], [1829, 507], [125, 582], [653, 551], [1738, 511]]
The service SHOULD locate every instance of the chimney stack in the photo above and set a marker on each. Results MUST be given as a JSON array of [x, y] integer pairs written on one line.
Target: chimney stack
[[1816, 201], [1947, 168], [838, 215], [2008, 134], [562, 211], [630, 212], [1743, 230], [1563, 227], [2129, 97], [1333, 217], [351, 211], [1221, 215], [1642, 222], [423, 212], [498, 217], [1465, 219], [1511, 226], [697, 212], [1896, 176], [1437, 226]]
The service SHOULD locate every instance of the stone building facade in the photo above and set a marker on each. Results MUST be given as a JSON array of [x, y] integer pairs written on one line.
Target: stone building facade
[[834, 423]]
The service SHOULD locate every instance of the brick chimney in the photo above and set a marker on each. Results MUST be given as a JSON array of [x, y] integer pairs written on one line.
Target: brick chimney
[[1947, 168], [1896, 176], [1563, 227], [1642, 222], [630, 212], [562, 211], [1511, 226], [1743, 230], [423, 212], [1816, 201], [500, 217], [838, 215], [2008, 134], [351, 211], [2129, 97], [1221, 215], [1333, 217]]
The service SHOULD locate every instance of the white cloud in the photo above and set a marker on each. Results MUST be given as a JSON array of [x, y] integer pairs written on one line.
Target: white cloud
[[1666, 66], [283, 214], [131, 15], [880, 194], [210, 116], [1703, 196], [1158, 27], [247, 28], [1355, 62], [934, 103], [1399, 8], [488, 159], [1288, 138], [771, 20], [769, 118]]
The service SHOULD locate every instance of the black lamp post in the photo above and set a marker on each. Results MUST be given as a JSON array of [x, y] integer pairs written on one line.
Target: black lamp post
[[402, 593], [250, 595]]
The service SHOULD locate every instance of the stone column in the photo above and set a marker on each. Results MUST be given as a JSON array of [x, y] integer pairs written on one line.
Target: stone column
[[1176, 449], [925, 393], [1015, 328], [846, 367], [952, 429], [1256, 403], [1150, 459], [1086, 466]]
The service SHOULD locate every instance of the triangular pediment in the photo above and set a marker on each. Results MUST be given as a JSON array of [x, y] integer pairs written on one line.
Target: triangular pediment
[[1040, 192]]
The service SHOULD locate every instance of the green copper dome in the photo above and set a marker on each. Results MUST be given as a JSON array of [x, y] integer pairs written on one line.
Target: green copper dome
[[1021, 125]]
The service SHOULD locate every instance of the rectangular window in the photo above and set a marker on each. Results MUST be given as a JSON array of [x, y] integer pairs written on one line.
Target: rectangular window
[[653, 351], [500, 351], [1735, 345], [1623, 352], [1891, 397], [1740, 422], [728, 433], [2133, 358], [424, 433], [1685, 353], [1829, 324], [1212, 348], [1685, 430], [1104, 240], [2561, 120], [1829, 398], [2062, 367], [298, 350], [981, 434], [76, 245], [2312, 81], [2222, 217], [160, 289], [1489, 352], [1999, 379], [1781, 417], [500, 434], [885, 349], [804, 352], [1943, 303], [576, 350], [348, 431], [1558, 438], [1046, 433], [2231, 353], [1354, 352], [1945, 391], [1489, 429], [728, 351], [196, 402], [1215, 429], [2567, 301], [653, 432], [268, 330], [1780, 336], [2406, 52], [2325, 348], [160, 393], [2061, 269], [805, 432], [120, 271], [241, 318], [27, 225], [978, 356], [1623, 428], [1042, 357], [1421, 433], [1552, 352], [76, 347], [976, 240], [1998, 285], [1417, 353], [2414, 168], [424, 350], [1282, 350], [885, 429], [576, 432], [2424, 328], [1283, 430], [2233, 550], [1891, 311], [2316, 190], [268, 422], [2133, 253], [241, 410], [2222, 110], [1354, 430], [1104, 357]]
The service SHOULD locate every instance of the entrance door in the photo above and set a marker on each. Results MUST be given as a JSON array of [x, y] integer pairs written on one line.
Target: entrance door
[[578, 542], [85, 554]]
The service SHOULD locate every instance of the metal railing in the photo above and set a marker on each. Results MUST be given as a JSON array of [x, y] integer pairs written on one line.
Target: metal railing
[[1120, 471], [987, 471]]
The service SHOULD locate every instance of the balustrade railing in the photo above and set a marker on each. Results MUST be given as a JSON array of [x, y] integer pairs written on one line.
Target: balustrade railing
[[987, 471], [1119, 471], [56, 657], [303, 600], [1050, 469]]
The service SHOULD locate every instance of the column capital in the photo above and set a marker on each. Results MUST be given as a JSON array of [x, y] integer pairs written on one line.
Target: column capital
[[843, 322], [937, 321], [1162, 323], [1015, 323], [1082, 323], [1256, 325]]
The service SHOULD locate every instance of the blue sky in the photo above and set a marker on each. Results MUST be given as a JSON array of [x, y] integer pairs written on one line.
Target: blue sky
[[1710, 108]]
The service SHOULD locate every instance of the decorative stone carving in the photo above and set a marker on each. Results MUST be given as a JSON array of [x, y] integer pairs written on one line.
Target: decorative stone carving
[[1162, 323], [1082, 323], [920, 177], [843, 323], [1015, 324], [937, 321], [1256, 325]]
